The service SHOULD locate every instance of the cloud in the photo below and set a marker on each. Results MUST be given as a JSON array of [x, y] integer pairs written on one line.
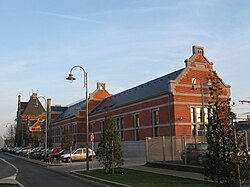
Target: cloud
[[76, 18]]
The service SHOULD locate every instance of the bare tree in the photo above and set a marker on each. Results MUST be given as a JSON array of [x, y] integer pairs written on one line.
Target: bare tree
[[10, 135]]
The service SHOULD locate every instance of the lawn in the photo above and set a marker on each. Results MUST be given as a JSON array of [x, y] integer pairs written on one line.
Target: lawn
[[147, 179]]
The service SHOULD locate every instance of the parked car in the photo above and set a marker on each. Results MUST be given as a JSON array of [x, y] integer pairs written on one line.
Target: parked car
[[25, 151], [17, 150], [57, 156], [31, 154], [38, 154], [77, 154], [194, 152], [45, 154]]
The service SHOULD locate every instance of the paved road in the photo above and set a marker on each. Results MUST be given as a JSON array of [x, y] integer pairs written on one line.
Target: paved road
[[7, 170], [32, 174]]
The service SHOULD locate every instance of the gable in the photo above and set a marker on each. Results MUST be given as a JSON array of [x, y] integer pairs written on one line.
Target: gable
[[198, 71], [198, 61], [33, 107], [100, 92]]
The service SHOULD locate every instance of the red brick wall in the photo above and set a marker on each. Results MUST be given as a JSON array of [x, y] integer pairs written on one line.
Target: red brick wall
[[178, 112]]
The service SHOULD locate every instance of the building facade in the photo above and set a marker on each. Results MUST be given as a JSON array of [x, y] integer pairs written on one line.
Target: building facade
[[30, 116], [170, 105], [69, 127]]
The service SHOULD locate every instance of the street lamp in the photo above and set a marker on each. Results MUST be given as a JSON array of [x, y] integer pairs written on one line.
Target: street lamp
[[202, 103], [46, 125], [85, 84]]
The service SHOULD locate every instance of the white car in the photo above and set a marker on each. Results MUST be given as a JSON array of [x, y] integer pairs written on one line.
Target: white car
[[77, 154]]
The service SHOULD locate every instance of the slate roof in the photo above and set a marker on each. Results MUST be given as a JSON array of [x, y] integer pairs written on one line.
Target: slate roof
[[58, 108], [144, 91], [70, 111], [23, 106], [33, 107]]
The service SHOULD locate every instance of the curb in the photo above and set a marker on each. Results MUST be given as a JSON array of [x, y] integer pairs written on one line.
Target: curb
[[10, 181], [42, 163], [176, 167], [111, 183]]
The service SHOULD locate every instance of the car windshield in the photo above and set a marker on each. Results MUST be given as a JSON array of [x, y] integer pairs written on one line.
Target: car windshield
[[62, 151], [202, 146]]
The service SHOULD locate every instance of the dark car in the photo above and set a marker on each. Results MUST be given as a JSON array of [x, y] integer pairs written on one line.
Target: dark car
[[45, 154], [194, 152], [57, 156]]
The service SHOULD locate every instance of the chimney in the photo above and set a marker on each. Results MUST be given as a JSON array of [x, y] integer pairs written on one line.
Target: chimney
[[198, 50], [248, 117], [19, 102], [101, 86], [34, 96]]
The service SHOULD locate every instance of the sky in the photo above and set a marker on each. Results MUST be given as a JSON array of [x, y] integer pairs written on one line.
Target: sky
[[121, 43]]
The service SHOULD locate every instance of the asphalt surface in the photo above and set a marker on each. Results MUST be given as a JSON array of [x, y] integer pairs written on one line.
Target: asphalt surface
[[35, 173], [6, 169], [38, 173]]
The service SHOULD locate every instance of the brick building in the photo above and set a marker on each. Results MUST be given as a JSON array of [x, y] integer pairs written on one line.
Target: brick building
[[71, 122], [170, 105], [30, 116], [165, 106]]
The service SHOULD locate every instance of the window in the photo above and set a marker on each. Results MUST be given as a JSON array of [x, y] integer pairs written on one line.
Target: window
[[206, 115], [118, 122], [198, 115], [155, 121], [79, 152], [136, 126], [136, 121], [196, 120], [193, 119], [102, 124], [121, 127], [93, 127]]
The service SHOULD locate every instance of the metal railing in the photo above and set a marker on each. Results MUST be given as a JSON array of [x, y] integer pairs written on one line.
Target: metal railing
[[167, 148]]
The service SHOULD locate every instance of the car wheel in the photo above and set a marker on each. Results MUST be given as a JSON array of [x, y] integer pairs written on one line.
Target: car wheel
[[69, 160], [51, 159]]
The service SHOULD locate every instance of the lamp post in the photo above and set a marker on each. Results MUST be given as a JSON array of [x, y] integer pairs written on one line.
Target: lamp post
[[202, 103], [85, 84], [46, 125]]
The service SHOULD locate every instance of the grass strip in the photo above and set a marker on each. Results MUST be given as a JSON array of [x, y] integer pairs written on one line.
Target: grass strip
[[146, 179]]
